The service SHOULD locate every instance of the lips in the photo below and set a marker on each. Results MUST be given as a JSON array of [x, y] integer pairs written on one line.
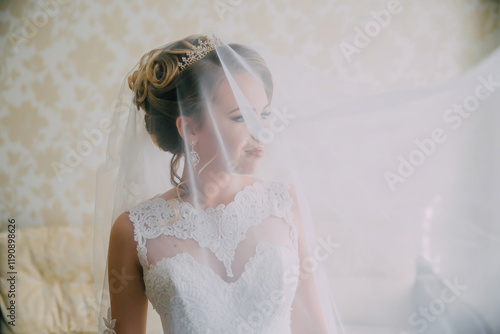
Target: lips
[[255, 149], [258, 151]]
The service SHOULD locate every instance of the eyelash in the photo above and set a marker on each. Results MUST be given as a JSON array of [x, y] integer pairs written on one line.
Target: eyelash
[[240, 118]]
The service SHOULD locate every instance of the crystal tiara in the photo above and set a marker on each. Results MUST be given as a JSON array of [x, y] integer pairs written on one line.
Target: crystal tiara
[[204, 47]]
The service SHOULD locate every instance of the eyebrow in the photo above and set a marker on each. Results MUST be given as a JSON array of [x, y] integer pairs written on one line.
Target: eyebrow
[[265, 107]]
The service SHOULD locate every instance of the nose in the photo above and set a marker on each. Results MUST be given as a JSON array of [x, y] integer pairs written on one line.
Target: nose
[[254, 125], [264, 136], [257, 140]]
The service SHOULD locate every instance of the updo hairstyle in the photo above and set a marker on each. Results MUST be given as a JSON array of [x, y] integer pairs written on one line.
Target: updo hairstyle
[[161, 90]]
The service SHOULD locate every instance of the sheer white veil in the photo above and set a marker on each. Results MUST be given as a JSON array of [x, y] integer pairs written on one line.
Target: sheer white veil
[[394, 194]]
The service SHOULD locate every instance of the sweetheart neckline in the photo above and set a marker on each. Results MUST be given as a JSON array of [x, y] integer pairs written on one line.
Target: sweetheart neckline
[[250, 262]]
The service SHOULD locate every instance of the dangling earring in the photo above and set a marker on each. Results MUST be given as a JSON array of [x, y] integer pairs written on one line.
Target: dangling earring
[[194, 156]]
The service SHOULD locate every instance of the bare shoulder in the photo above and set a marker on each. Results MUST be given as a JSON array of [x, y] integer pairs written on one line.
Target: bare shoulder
[[122, 252], [122, 232], [170, 194], [293, 195], [291, 189]]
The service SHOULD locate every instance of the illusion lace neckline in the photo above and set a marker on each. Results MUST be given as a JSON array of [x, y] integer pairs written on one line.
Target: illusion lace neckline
[[220, 207], [251, 205]]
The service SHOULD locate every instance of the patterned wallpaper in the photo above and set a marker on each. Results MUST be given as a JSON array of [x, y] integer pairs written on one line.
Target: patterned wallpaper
[[62, 63]]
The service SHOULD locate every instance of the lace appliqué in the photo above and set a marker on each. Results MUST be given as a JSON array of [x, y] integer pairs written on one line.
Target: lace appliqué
[[220, 229], [191, 298], [109, 323]]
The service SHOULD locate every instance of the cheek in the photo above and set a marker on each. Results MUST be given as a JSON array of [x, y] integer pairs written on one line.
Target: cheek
[[235, 135]]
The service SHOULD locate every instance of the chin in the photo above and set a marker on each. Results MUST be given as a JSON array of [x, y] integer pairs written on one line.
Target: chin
[[249, 168]]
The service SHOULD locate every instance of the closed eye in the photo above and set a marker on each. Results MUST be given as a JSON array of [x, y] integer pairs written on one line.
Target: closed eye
[[238, 118], [264, 115]]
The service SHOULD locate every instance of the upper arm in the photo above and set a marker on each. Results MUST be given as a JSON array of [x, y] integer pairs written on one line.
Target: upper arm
[[126, 286], [297, 222], [307, 313]]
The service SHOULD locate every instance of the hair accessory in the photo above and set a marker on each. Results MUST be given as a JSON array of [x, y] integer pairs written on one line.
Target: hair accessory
[[204, 47]]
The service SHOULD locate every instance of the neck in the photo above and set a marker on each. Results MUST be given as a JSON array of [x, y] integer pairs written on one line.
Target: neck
[[210, 187]]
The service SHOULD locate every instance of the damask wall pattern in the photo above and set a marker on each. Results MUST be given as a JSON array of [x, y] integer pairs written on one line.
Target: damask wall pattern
[[62, 63]]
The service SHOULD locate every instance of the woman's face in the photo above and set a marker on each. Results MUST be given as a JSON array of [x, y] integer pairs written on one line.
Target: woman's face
[[224, 132]]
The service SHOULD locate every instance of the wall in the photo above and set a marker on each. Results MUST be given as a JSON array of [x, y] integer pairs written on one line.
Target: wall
[[62, 63]]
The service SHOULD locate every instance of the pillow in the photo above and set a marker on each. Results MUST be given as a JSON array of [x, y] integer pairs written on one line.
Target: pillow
[[54, 281]]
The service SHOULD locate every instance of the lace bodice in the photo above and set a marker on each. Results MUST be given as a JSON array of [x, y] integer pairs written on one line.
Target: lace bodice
[[220, 270]]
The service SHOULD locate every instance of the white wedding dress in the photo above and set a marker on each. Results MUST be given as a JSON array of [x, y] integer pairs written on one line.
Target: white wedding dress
[[251, 245]]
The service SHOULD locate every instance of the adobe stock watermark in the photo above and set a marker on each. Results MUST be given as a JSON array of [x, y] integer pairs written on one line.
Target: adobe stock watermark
[[47, 9], [420, 319], [311, 263], [93, 138], [117, 282], [277, 122], [363, 37], [454, 117], [224, 6]]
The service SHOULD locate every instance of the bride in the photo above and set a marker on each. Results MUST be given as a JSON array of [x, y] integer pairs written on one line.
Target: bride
[[231, 175], [226, 249]]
